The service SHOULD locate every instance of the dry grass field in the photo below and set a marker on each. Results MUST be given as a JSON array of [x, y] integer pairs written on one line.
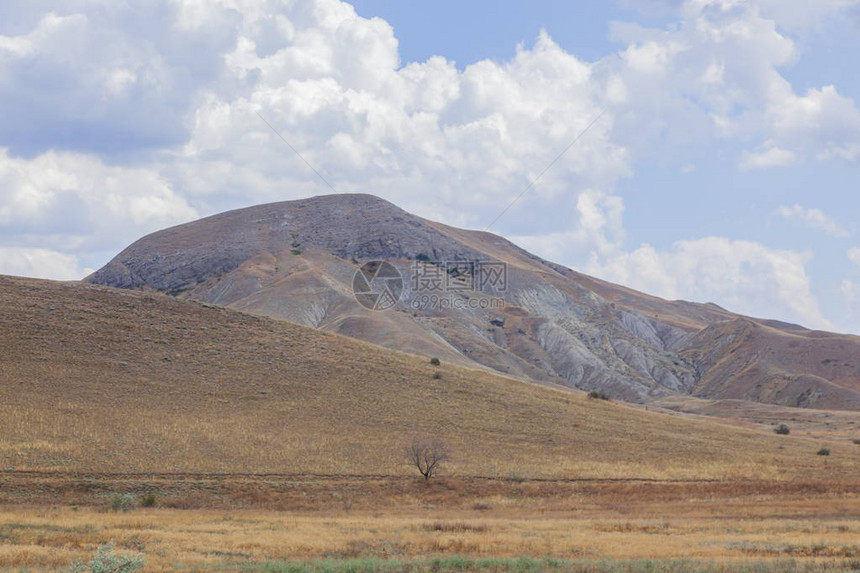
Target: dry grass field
[[832, 425], [266, 444], [374, 522]]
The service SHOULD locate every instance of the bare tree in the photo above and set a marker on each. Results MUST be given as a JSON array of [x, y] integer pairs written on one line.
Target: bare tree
[[426, 454]]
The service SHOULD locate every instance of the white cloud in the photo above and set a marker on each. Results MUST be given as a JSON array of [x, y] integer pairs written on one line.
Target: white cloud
[[822, 122], [803, 13], [814, 219], [849, 290], [849, 152], [774, 157], [470, 138], [854, 255], [597, 230], [718, 74], [74, 202], [442, 142], [743, 276], [40, 263], [100, 76], [788, 13], [447, 143]]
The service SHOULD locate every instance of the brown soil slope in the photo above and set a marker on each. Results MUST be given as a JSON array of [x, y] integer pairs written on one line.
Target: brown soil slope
[[296, 261], [102, 380]]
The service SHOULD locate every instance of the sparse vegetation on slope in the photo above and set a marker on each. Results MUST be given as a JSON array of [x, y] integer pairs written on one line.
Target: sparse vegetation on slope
[[102, 380]]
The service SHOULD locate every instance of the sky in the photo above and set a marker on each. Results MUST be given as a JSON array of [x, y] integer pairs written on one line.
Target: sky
[[715, 143]]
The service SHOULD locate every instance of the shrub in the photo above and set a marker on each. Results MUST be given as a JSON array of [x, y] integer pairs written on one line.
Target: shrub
[[296, 252], [856, 441], [123, 502], [437, 376], [148, 500], [782, 430], [107, 561], [823, 452], [595, 395], [435, 361], [422, 257]]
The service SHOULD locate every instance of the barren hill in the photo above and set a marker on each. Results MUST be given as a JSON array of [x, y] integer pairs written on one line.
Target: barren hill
[[102, 380], [297, 261]]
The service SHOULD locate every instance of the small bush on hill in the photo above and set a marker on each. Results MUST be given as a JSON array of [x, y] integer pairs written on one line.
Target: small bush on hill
[[435, 361], [782, 430], [148, 500], [107, 561], [123, 502], [823, 452], [595, 395]]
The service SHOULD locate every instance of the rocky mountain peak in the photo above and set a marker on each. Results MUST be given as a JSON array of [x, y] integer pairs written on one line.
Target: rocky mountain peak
[[296, 260]]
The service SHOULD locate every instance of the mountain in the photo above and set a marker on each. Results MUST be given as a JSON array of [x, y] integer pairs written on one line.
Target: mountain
[[97, 380], [505, 309]]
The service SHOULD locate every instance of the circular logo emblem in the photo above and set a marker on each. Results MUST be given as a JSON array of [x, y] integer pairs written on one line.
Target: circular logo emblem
[[377, 285]]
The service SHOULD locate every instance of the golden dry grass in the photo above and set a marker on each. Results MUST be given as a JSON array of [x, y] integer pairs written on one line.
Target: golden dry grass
[[107, 392], [99, 380], [608, 521], [831, 425]]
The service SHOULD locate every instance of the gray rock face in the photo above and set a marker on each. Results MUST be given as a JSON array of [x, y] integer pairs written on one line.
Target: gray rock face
[[296, 260], [362, 227], [652, 332]]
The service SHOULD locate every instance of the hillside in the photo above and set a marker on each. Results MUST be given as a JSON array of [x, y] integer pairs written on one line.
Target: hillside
[[103, 380], [830, 425], [297, 260]]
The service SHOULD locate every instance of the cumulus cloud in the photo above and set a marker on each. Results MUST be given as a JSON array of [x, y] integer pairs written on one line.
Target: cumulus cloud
[[802, 13], [718, 74], [849, 290], [854, 255], [148, 125], [443, 142], [85, 78], [598, 231], [73, 202], [744, 276], [786, 13], [774, 157], [40, 264], [814, 219], [822, 122]]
